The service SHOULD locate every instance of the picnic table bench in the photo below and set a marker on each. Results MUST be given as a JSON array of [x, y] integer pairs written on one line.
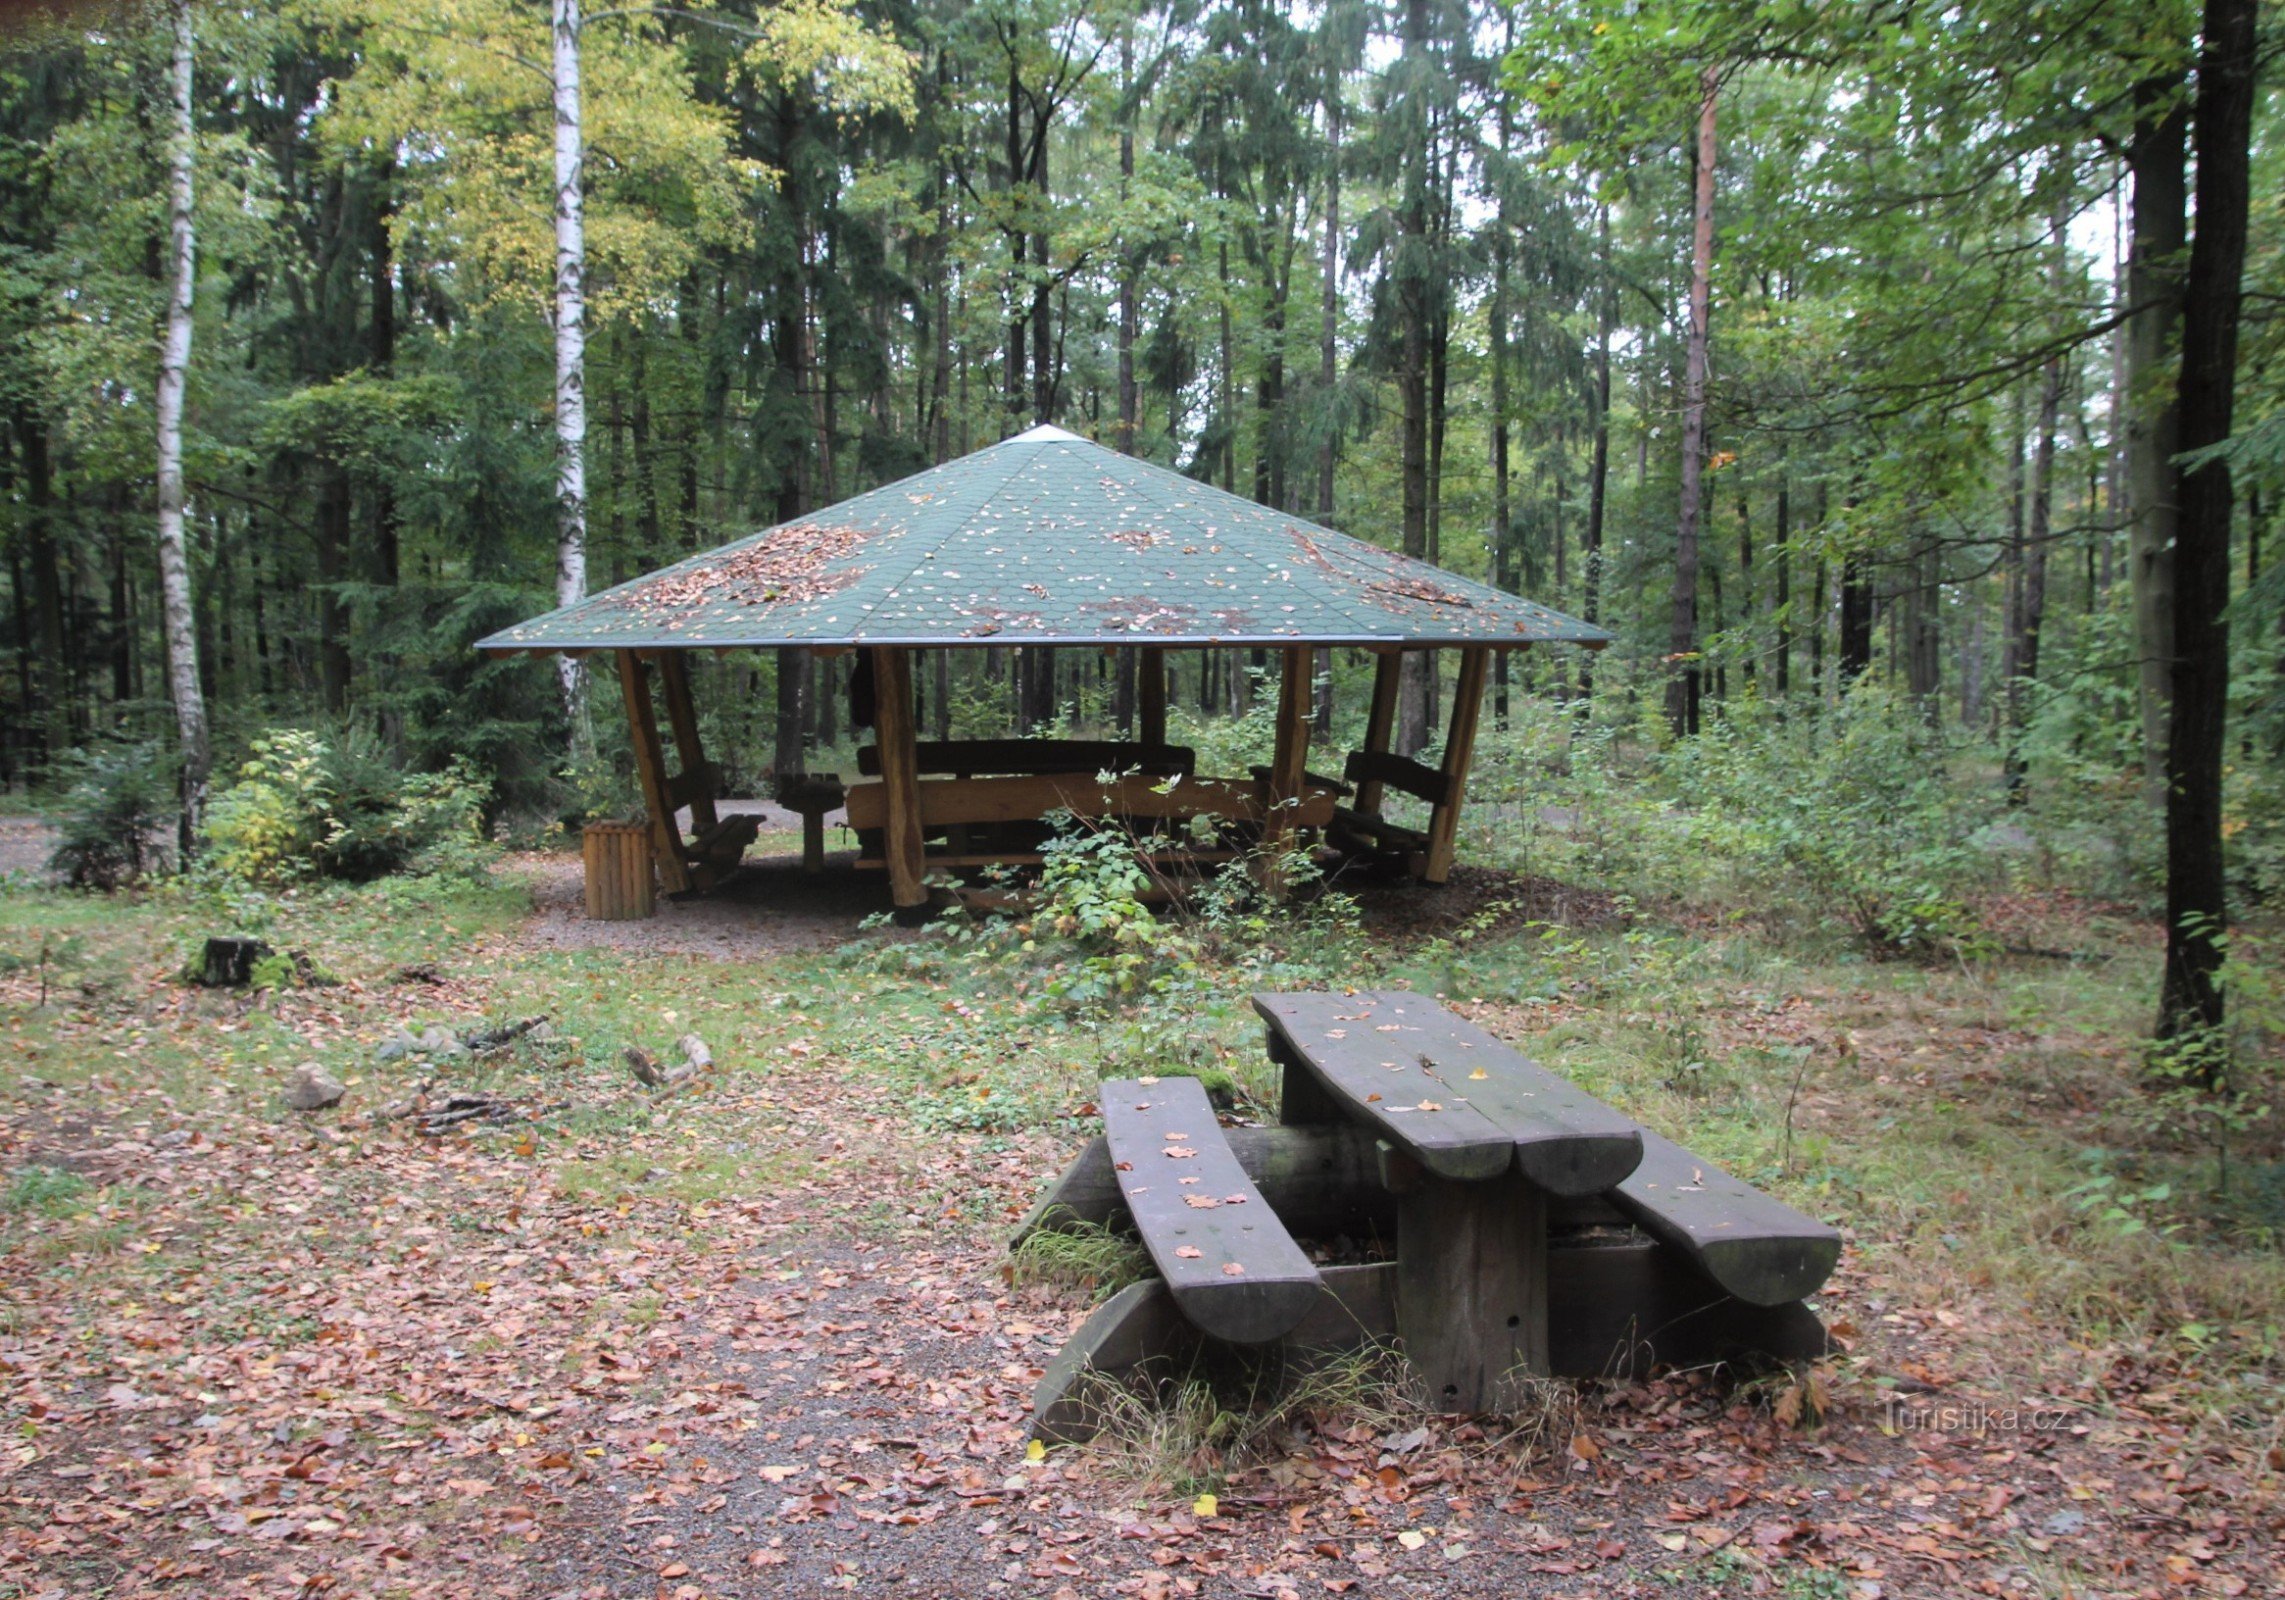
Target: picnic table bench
[[1537, 1231]]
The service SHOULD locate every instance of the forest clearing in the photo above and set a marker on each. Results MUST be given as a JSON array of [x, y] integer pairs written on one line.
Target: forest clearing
[[1063, 799]]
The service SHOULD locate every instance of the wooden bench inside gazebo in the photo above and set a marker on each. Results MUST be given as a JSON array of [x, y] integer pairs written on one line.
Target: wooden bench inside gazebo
[[1047, 540]]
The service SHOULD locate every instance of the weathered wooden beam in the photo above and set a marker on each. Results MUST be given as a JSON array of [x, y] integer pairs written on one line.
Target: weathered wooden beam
[[1459, 753], [1566, 1141], [1380, 722], [1150, 694], [1287, 787], [1753, 1244], [1471, 1288], [1234, 1270], [945, 802], [900, 780], [966, 758], [1136, 1328], [1615, 1308], [650, 768], [682, 718], [1386, 770], [1319, 1181]]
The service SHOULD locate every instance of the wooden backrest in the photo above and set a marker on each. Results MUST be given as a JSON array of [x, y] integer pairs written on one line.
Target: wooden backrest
[[975, 758], [1397, 772], [945, 802]]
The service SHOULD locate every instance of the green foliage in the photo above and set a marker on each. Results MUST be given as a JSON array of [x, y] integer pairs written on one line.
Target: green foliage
[[117, 802], [1853, 809], [48, 1191], [303, 807]]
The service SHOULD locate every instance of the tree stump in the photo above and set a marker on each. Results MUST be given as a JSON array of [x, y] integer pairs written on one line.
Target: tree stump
[[229, 963], [617, 856]]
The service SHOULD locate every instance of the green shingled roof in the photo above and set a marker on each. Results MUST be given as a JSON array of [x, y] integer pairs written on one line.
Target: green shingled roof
[[1045, 539]]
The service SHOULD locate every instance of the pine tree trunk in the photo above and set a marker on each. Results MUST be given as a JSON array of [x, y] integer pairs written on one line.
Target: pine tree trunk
[[1682, 687], [1599, 472], [570, 359], [2190, 996], [2156, 159], [1329, 302], [174, 374]]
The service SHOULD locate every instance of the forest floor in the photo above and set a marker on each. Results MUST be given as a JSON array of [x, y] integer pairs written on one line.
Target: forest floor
[[757, 1337]]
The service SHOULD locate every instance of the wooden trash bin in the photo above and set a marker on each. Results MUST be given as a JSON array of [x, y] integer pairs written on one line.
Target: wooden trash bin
[[618, 861]]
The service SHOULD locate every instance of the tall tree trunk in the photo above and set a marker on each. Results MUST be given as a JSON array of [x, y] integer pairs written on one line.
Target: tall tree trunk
[[570, 359], [2190, 997], [1855, 656], [49, 688], [1783, 603], [174, 373], [1749, 664], [1503, 512], [383, 354], [1682, 687], [1130, 260], [1329, 302], [1599, 472], [2156, 159], [332, 513], [1412, 295]]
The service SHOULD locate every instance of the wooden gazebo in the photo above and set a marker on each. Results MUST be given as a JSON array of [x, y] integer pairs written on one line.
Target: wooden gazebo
[[1045, 539]]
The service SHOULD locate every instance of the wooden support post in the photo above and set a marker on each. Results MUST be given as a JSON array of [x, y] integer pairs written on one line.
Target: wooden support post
[[682, 717], [1150, 693], [1471, 1288], [1459, 751], [650, 766], [1287, 765], [1380, 722], [900, 776]]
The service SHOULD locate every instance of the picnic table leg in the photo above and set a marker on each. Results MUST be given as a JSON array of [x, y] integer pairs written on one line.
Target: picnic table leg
[[1302, 1101], [1471, 1288]]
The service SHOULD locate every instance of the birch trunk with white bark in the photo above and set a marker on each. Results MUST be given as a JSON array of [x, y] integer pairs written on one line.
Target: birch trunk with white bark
[[570, 357], [174, 371]]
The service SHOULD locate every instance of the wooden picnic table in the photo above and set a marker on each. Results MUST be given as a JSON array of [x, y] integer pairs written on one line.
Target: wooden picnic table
[[1538, 1231], [1477, 1138]]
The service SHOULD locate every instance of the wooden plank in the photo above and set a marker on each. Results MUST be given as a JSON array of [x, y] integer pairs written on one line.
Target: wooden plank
[[1381, 1083], [900, 819], [1150, 695], [1318, 1182], [1471, 1289], [1379, 769], [1232, 1267], [1754, 1245], [697, 772], [1567, 1141], [1615, 1308], [1380, 722], [650, 768], [1287, 785], [969, 758], [1459, 754], [947, 802], [1136, 1327]]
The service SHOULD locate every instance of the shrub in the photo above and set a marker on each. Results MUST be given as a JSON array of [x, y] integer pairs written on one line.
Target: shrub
[[1850, 807], [119, 797], [303, 807]]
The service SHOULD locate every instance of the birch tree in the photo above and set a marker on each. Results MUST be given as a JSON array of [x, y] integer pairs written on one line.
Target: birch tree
[[570, 361], [174, 371]]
